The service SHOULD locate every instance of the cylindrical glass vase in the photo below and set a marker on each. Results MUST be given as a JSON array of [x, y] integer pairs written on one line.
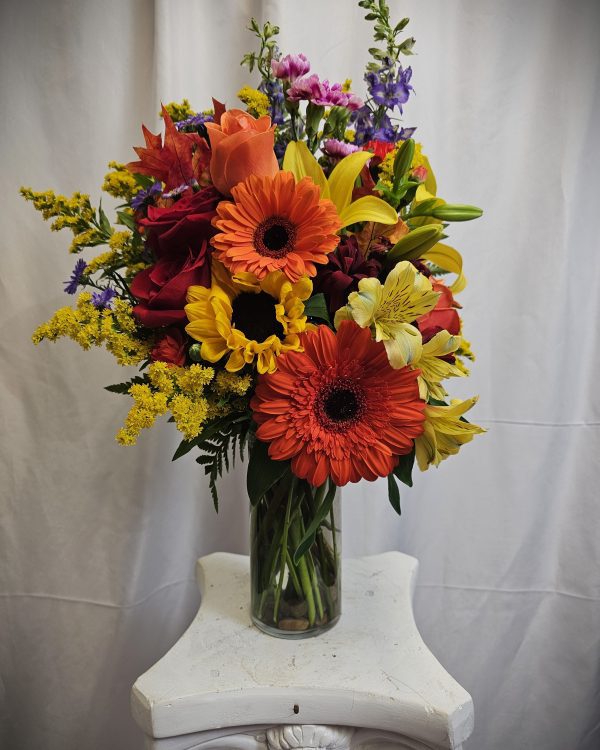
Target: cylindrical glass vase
[[295, 559]]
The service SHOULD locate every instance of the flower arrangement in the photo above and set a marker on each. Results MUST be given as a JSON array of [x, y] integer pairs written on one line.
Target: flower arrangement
[[277, 275]]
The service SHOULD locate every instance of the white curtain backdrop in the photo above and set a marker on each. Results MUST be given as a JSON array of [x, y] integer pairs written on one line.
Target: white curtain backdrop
[[98, 542]]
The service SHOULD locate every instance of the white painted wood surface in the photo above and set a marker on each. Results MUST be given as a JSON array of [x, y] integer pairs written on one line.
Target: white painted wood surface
[[370, 682]]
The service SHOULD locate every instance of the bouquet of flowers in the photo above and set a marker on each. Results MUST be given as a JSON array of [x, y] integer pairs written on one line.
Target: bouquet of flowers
[[277, 274]]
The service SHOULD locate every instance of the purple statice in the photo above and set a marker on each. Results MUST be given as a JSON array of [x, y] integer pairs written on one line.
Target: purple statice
[[194, 123], [311, 89], [146, 197], [102, 300], [72, 284], [389, 87], [290, 67], [338, 149]]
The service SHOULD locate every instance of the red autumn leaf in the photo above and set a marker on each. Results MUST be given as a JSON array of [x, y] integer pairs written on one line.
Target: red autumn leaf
[[219, 109], [182, 159]]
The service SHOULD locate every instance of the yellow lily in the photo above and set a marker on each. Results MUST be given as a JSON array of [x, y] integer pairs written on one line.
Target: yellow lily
[[338, 188], [444, 432]]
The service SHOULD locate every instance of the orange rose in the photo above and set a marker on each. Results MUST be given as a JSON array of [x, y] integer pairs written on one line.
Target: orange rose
[[241, 145]]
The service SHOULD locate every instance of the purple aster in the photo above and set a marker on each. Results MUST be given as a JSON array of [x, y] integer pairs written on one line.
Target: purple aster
[[72, 284], [103, 299], [338, 149], [290, 67], [146, 197]]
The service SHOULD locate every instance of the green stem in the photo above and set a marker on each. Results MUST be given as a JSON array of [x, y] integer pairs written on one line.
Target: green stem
[[265, 522], [284, 550], [315, 583], [304, 576], [312, 571], [265, 591], [293, 574], [333, 537]]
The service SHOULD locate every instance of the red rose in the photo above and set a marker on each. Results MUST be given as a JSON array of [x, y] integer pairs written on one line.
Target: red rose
[[170, 348], [178, 237], [444, 315]]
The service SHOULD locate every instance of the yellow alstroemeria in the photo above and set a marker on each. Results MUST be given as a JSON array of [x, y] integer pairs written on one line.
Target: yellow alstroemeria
[[433, 368], [338, 188], [390, 310], [247, 319], [444, 432]]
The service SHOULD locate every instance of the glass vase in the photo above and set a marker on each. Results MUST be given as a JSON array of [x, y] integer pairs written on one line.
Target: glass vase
[[295, 559]]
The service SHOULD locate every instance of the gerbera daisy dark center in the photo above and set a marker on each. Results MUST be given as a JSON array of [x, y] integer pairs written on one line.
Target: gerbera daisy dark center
[[275, 237], [340, 404], [254, 315]]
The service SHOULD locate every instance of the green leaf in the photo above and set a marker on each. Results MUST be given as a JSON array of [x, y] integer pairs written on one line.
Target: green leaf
[[394, 494], [104, 222], [401, 24], [407, 45], [126, 220], [123, 388], [316, 307], [403, 470], [144, 180], [378, 54], [185, 446], [320, 514], [314, 115], [263, 471]]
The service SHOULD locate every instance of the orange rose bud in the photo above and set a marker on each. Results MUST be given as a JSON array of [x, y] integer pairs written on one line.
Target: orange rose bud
[[241, 145]]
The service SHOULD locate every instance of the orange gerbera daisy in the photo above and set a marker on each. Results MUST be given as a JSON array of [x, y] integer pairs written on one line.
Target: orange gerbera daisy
[[275, 224], [338, 409]]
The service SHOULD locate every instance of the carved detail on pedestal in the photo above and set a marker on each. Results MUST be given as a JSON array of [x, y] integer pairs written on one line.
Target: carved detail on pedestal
[[294, 737], [309, 737]]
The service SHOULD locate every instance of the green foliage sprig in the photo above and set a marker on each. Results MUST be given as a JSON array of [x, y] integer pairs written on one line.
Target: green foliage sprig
[[268, 49], [379, 12]]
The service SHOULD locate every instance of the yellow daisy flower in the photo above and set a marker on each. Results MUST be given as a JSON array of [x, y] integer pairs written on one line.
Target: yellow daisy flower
[[390, 310], [247, 319]]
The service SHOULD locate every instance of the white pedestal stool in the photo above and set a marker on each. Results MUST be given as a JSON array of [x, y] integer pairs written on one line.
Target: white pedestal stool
[[369, 683]]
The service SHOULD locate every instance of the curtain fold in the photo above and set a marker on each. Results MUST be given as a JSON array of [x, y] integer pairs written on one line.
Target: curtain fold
[[98, 542]]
